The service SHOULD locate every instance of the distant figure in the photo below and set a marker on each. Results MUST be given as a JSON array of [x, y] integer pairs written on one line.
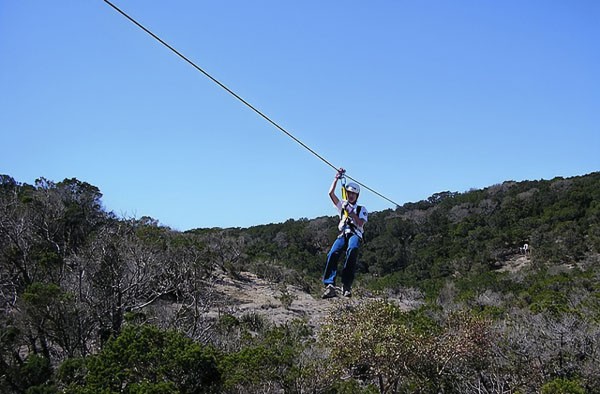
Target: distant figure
[[524, 249], [352, 219]]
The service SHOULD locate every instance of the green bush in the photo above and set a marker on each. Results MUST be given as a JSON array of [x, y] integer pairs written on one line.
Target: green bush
[[36, 371], [146, 359], [377, 342], [562, 386], [271, 359]]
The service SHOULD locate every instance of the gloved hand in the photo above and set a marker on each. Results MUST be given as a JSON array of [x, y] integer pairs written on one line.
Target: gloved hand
[[340, 173]]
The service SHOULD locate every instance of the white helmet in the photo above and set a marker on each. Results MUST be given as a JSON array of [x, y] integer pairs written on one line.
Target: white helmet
[[353, 187]]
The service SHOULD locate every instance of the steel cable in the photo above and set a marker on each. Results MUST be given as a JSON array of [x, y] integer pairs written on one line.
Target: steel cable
[[280, 128]]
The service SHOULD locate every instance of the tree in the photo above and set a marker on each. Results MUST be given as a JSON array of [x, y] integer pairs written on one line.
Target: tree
[[144, 359], [50, 320], [562, 386], [376, 341], [370, 341], [272, 361]]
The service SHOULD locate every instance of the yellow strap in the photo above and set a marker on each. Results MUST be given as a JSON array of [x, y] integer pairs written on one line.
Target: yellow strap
[[345, 198]]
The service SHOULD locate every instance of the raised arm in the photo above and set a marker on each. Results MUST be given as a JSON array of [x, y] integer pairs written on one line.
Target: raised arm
[[332, 195]]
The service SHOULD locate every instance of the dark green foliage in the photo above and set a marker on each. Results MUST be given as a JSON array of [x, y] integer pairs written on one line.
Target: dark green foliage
[[52, 316], [350, 386], [78, 287], [472, 232], [33, 375], [272, 359], [449, 233], [72, 372], [36, 370], [146, 359], [562, 386]]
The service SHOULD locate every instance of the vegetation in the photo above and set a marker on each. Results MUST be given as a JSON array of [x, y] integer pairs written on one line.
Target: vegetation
[[93, 303]]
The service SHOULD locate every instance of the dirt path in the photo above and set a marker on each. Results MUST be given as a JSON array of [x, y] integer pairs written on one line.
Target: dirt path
[[251, 294]]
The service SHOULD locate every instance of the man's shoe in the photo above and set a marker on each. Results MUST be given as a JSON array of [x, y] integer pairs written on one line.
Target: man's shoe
[[347, 292], [329, 292]]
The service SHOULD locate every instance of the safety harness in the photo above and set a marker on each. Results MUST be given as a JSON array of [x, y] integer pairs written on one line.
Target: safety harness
[[344, 213]]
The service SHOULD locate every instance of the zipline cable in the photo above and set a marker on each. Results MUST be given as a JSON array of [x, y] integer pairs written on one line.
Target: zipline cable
[[239, 98]]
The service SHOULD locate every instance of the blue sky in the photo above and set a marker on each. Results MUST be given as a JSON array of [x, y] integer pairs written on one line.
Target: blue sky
[[411, 97]]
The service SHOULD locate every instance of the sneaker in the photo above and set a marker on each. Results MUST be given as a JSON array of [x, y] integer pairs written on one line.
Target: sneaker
[[329, 292], [347, 292]]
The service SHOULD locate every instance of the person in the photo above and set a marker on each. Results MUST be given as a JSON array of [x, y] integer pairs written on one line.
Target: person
[[352, 220]]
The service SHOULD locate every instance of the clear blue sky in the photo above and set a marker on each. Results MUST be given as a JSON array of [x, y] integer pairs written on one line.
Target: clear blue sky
[[412, 97]]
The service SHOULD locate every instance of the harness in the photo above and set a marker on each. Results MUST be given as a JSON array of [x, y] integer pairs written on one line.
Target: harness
[[344, 213]]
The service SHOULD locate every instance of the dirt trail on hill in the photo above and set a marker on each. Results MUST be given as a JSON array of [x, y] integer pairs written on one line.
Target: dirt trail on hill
[[248, 294], [251, 294], [515, 264]]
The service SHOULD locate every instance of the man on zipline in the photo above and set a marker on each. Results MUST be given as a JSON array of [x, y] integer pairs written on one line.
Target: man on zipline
[[352, 219]]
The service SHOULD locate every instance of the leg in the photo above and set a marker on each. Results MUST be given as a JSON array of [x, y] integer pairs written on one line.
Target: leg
[[332, 259], [350, 263]]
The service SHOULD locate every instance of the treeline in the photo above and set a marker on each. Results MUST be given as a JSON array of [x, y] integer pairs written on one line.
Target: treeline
[[422, 244], [90, 302]]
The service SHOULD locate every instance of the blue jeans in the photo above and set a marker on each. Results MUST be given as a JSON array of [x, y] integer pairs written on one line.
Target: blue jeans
[[349, 242]]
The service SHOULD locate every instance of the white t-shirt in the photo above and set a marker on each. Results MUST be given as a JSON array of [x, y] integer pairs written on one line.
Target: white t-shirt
[[364, 215]]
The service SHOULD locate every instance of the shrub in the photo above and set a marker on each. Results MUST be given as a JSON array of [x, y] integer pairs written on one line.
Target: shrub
[[562, 386], [146, 359]]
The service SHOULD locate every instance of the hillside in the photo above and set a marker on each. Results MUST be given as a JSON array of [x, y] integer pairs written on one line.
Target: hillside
[[282, 303], [442, 285], [421, 244]]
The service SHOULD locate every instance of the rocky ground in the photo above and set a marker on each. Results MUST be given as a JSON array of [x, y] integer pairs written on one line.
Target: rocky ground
[[280, 303], [515, 264], [250, 294]]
